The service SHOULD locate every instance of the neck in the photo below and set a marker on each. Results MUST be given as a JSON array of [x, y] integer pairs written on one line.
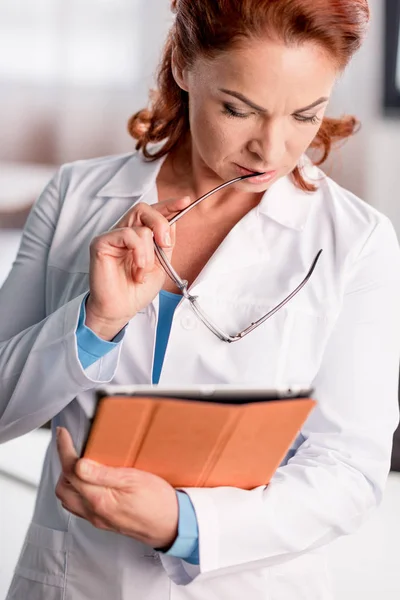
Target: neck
[[184, 171]]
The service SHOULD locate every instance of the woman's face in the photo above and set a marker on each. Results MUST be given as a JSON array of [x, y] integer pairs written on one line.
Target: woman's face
[[256, 108]]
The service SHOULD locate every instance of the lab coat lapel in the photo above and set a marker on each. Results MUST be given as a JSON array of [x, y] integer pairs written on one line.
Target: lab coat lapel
[[245, 245]]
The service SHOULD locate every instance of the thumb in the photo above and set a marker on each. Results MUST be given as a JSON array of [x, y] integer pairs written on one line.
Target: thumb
[[101, 475], [172, 206]]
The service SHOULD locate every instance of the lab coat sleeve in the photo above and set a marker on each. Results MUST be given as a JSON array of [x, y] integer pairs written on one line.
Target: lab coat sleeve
[[90, 347], [40, 372], [337, 476], [186, 544]]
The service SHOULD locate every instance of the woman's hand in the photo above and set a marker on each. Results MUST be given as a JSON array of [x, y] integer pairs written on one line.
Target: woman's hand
[[124, 500], [124, 274]]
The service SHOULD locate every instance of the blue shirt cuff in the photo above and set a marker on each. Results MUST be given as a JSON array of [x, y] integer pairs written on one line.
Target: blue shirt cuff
[[186, 545], [90, 346]]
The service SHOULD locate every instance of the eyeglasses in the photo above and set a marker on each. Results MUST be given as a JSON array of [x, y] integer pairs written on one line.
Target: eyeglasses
[[182, 284]]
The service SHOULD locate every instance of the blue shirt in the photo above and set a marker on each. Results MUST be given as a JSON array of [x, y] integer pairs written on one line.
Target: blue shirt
[[90, 349]]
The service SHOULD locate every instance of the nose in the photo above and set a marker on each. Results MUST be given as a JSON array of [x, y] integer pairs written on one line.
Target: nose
[[268, 145]]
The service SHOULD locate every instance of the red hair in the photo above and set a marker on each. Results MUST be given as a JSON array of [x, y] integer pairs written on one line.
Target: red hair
[[206, 27]]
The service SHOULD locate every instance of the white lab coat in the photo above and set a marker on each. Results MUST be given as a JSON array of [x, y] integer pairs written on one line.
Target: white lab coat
[[340, 334]]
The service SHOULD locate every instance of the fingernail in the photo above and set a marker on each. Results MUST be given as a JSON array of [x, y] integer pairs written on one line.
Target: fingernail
[[167, 239], [86, 468]]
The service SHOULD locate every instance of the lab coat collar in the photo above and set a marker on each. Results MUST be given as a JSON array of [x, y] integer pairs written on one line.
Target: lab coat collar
[[136, 176], [283, 202], [287, 204]]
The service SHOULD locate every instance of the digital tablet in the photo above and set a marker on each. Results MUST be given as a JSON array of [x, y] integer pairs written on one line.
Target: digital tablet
[[215, 392], [198, 435]]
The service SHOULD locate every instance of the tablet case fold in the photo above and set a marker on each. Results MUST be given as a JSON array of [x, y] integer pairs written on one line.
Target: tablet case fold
[[196, 443]]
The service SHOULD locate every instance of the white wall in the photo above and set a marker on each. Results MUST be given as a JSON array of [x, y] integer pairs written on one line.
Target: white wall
[[369, 163], [58, 121]]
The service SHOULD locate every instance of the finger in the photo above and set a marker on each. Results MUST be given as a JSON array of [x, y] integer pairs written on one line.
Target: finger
[[158, 225], [78, 507], [144, 215], [168, 251], [139, 242], [155, 218], [81, 496], [101, 475], [166, 209], [69, 459], [95, 503], [70, 498], [116, 242], [147, 238], [66, 451], [142, 255], [169, 208]]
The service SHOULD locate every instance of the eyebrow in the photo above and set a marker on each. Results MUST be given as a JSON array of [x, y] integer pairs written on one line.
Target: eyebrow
[[240, 96]]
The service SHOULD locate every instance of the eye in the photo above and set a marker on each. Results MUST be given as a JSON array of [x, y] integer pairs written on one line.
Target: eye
[[312, 119], [231, 112]]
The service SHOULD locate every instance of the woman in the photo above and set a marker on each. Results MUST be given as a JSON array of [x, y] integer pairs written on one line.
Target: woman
[[243, 88]]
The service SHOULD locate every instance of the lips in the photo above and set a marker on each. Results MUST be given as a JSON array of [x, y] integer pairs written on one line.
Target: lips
[[263, 177], [260, 171]]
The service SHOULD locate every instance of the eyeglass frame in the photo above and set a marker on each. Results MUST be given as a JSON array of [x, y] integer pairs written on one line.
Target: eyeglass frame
[[182, 284]]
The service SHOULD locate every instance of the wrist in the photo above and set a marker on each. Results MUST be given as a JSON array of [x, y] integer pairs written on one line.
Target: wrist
[[105, 329], [171, 527]]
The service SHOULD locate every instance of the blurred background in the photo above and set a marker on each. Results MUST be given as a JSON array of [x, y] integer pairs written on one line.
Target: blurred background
[[71, 74]]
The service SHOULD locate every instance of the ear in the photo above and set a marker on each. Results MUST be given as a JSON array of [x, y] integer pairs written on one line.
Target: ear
[[179, 73]]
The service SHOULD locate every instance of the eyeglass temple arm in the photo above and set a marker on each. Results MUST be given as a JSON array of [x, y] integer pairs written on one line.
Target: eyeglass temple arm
[[182, 283], [169, 269], [281, 304], [183, 212], [229, 338]]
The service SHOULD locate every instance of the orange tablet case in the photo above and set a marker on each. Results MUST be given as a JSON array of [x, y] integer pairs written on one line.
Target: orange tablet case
[[196, 443]]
